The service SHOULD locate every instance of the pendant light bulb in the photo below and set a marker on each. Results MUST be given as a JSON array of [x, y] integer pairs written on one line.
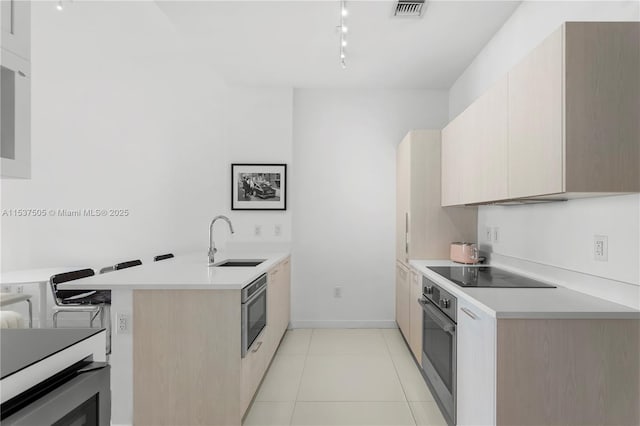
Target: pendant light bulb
[[344, 29], [59, 6], [344, 12], [344, 43]]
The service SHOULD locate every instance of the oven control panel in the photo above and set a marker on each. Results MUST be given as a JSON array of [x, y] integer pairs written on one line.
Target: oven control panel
[[440, 297]]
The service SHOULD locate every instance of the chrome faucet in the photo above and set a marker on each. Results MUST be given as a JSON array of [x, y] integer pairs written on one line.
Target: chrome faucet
[[212, 246]]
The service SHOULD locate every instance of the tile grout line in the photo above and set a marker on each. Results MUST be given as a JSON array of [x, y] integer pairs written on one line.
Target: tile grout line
[[404, 392], [304, 365]]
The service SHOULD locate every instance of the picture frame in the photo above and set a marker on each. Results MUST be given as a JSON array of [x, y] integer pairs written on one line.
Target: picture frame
[[256, 186]]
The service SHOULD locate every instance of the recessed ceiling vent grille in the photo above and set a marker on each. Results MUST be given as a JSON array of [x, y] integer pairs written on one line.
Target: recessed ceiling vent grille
[[409, 8]]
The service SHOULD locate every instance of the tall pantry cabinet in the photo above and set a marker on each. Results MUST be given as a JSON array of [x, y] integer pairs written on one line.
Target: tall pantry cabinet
[[424, 229]]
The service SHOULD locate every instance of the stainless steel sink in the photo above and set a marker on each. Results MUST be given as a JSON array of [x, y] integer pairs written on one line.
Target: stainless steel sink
[[239, 263]]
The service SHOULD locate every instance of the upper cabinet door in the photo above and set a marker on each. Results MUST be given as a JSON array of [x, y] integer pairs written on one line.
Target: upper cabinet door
[[488, 131], [474, 151], [536, 157], [15, 18], [403, 190]]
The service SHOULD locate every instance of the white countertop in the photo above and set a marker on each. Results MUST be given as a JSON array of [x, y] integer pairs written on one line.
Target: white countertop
[[185, 272], [529, 303]]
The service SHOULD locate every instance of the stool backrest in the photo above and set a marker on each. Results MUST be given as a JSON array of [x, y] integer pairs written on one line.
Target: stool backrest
[[129, 264], [66, 277], [163, 257]]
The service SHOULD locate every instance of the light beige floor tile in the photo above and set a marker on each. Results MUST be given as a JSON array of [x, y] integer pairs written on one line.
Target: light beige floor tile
[[350, 378], [352, 414], [395, 342], [334, 342], [295, 342], [346, 331], [411, 379], [283, 379], [427, 414], [269, 414]]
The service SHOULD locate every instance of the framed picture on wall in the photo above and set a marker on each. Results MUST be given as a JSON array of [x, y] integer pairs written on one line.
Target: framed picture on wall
[[258, 187]]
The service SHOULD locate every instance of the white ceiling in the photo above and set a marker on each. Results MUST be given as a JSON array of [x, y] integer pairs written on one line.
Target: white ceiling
[[295, 43]]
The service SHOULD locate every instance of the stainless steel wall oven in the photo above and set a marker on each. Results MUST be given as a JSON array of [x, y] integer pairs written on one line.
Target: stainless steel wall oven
[[439, 345]]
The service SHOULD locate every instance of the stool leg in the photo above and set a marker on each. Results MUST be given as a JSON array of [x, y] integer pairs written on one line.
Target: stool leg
[[91, 320], [55, 319], [30, 313], [102, 316]]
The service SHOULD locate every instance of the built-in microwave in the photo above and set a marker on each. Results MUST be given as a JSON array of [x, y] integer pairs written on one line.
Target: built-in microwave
[[15, 115]]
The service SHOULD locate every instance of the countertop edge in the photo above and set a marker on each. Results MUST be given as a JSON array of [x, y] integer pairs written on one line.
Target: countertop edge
[[419, 265]]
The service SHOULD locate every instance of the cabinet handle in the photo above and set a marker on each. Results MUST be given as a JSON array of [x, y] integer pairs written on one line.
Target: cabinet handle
[[11, 17], [468, 312], [257, 347], [406, 233]]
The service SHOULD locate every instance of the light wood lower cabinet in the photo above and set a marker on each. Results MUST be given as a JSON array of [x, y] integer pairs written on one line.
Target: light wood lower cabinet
[[403, 294], [416, 317], [546, 371], [476, 366], [187, 362]]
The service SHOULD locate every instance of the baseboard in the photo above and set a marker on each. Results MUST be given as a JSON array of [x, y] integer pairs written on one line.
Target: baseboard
[[343, 324]]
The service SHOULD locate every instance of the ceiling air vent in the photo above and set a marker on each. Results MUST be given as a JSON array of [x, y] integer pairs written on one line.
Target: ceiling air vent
[[409, 8]]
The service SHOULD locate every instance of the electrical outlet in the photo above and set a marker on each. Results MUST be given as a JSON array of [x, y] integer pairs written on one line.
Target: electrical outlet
[[257, 231], [7, 288], [496, 234], [277, 230], [19, 289], [123, 323], [601, 248], [337, 292], [488, 234]]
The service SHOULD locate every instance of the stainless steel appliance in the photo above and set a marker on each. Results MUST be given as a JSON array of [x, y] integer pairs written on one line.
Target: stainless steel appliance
[[78, 395], [439, 345], [486, 276], [254, 311]]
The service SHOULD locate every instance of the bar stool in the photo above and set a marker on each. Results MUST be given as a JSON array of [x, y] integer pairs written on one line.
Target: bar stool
[[75, 300], [163, 257], [11, 298]]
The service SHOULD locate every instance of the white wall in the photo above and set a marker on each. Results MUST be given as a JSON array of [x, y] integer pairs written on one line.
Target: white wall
[[344, 173], [559, 235], [122, 119]]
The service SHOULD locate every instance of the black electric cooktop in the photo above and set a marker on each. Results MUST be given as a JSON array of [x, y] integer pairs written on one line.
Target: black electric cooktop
[[486, 276]]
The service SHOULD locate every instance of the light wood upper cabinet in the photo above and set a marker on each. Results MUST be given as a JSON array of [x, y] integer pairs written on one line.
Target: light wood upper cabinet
[[474, 151], [535, 122], [423, 228], [571, 126]]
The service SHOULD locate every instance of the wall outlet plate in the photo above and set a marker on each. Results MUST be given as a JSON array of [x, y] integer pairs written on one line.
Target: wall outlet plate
[[337, 292], [257, 230], [277, 230], [123, 323], [601, 248], [488, 234], [496, 234]]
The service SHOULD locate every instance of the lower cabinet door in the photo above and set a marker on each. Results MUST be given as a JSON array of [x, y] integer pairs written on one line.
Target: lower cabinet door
[[415, 311], [253, 368], [476, 366], [402, 299]]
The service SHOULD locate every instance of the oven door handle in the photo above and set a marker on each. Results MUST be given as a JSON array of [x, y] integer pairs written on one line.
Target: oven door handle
[[437, 317]]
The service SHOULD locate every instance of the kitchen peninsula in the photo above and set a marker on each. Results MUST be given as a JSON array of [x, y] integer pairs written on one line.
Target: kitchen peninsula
[[177, 336]]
